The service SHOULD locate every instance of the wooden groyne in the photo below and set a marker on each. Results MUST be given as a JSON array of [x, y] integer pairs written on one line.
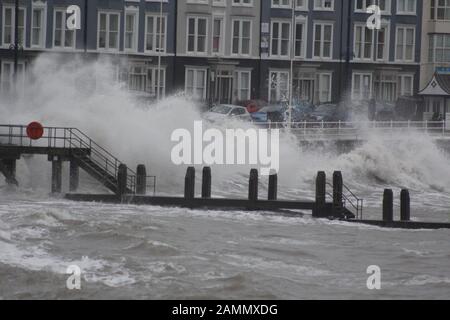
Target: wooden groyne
[[333, 200]]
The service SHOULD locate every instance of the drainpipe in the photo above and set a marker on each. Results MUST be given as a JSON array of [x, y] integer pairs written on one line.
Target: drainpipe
[[160, 50], [85, 25], [16, 41], [174, 64]]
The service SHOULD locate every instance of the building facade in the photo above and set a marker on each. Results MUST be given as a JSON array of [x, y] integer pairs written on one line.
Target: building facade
[[435, 66], [131, 33], [225, 51], [336, 56], [218, 49]]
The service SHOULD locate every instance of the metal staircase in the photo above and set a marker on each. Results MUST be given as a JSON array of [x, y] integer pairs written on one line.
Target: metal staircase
[[352, 206], [89, 155]]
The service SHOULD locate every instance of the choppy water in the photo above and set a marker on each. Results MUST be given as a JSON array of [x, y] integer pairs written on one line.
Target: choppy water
[[152, 252], [160, 253]]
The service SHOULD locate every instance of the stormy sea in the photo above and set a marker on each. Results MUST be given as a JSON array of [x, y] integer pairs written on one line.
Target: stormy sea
[[148, 252]]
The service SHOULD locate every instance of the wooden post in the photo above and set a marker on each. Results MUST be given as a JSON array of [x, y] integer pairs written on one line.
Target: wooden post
[[388, 205], [321, 181], [8, 167], [56, 175], [338, 187], [405, 205], [273, 187], [253, 185], [141, 180], [189, 183], [206, 183], [74, 176], [122, 180]]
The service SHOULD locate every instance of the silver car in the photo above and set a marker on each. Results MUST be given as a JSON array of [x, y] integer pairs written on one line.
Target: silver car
[[228, 111]]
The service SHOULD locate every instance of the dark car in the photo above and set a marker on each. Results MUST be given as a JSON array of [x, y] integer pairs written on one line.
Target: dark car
[[385, 111], [329, 112], [274, 113], [409, 108], [302, 111]]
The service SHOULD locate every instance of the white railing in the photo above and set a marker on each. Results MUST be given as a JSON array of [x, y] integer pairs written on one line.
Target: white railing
[[360, 129]]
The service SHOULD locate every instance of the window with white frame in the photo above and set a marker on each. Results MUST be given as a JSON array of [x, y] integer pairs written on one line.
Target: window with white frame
[[301, 5], [142, 78], [218, 35], [197, 31], [362, 5], [405, 43], [440, 10], [327, 5], [278, 86], [281, 4], [241, 42], [303, 86], [9, 20], [323, 40], [363, 44], [242, 85], [62, 36], [131, 30], [281, 38], [361, 85], [245, 3], [108, 31], [324, 87], [38, 25], [407, 6], [382, 43], [152, 81], [385, 85], [406, 83], [439, 48], [7, 76], [155, 33], [300, 39], [195, 83]]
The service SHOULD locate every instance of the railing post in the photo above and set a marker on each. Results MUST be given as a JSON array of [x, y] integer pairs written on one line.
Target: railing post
[[338, 189], [253, 185], [388, 205], [273, 187], [74, 175], [321, 185], [141, 180], [189, 184], [206, 183], [405, 205], [122, 177]]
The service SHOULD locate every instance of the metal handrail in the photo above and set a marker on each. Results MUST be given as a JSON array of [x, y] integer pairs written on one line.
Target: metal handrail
[[359, 206], [72, 138]]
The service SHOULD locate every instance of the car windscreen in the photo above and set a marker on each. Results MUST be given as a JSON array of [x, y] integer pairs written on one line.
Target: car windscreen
[[221, 109]]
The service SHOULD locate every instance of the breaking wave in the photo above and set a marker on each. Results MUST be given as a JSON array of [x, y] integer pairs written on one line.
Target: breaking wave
[[136, 133]]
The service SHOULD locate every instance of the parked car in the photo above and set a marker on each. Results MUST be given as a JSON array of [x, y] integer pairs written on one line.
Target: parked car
[[329, 112], [409, 108], [227, 111], [274, 113], [302, 111], [385, 111], [252, 105]]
